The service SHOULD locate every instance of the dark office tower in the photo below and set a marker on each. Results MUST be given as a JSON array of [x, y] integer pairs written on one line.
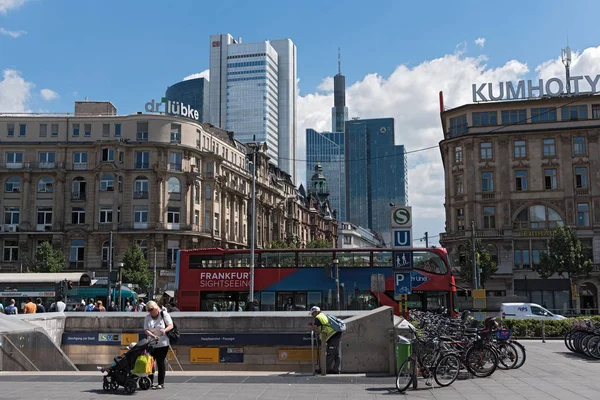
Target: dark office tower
[[339, 112], [193, 92], [376, 174]]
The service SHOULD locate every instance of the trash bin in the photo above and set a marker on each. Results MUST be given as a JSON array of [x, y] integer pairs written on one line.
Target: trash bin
[[402, 351]]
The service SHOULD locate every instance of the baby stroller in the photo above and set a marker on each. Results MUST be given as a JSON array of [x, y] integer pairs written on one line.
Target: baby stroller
[[120, 371]]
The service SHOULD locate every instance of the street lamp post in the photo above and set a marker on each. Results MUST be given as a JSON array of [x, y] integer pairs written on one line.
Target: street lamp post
[[336, 264], [110, 261], [154, 280], [120, 285], [254, 147]]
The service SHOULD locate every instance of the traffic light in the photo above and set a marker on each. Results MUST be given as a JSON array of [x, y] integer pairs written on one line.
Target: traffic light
[[69, 285]]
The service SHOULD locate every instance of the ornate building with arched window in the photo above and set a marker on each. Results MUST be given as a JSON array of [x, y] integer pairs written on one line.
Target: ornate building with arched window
[[515, 171]]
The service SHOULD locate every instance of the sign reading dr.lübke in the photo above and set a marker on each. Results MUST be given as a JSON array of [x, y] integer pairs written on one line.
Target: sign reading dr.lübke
[[172, 108]]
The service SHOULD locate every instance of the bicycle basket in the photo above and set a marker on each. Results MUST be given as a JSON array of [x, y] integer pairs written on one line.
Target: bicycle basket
[[503, 334]]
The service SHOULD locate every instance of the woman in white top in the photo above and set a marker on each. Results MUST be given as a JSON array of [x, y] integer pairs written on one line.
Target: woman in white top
[[156, 324]]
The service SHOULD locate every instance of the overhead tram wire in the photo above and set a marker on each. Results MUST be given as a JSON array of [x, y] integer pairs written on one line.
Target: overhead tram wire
[[437, 146]]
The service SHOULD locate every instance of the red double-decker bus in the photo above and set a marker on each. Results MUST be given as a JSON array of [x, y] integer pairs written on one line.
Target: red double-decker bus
[[219, 280]]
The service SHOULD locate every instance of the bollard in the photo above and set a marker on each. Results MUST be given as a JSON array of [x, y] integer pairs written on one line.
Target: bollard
[[323, 355], [543, 331]]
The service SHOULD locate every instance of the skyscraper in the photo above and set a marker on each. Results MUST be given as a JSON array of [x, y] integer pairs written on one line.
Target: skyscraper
[[253, 93], [339, 112], [193, 92], [327, 149], [376, 174]]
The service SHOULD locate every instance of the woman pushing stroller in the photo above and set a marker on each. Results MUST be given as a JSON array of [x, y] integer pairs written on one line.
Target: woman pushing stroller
[[156, 325]]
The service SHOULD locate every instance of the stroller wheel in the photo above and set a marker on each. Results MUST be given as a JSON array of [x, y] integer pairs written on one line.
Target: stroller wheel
[[144, 383], [130, 386], [114, 385], [106, 385]]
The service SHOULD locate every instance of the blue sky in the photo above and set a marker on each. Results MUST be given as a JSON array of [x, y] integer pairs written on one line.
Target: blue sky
[[396, 56]]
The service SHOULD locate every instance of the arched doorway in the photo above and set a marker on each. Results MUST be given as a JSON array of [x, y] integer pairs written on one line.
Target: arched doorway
[[588, 293]]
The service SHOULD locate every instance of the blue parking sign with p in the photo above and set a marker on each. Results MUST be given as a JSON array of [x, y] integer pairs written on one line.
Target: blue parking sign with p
[[403, 260], [402, 283]]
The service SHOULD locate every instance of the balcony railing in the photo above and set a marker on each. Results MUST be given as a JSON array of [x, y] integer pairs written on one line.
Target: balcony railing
[[140, 195], [142, 165], [488, 196], [78, 196], [582, 191], [174, 167], [76, 264], [80, 166], [489, 232]]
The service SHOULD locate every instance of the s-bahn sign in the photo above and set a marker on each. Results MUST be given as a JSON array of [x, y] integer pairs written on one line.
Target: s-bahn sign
[[532, 89], [402, 217]]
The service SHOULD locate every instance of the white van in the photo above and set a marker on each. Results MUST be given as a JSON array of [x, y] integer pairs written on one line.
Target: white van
[[527, 311]]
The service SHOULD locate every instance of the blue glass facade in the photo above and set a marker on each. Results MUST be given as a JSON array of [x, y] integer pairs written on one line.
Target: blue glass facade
[[193, 92], [376, 174], [327, 149]]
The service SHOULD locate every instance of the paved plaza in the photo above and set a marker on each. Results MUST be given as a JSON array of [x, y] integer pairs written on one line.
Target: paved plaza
[[551, 372]]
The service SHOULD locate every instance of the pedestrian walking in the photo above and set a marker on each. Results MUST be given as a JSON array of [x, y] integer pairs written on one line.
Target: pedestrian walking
[[11, 309], [90, 306], [39, 307], [157, 324], [29, 307], [99, 307]]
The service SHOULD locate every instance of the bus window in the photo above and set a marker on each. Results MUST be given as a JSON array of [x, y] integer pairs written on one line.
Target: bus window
[[382, 259], [429, 261], [315, 299], [267, 301]]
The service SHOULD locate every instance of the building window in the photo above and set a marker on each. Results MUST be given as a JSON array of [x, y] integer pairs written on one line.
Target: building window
[[207, 221], [197, 218], [106, 215], [458, 155], [105, 130], [78, 188], [142, 159], [521, 180], [176, 133], [54, 128], [596, 111], [583, 214], [347, 239], [22, 130], [573, 113], [549, 148], [77, 255], [78, 215], [105, 254], [458, 184], [489, 217], [172, 250], [538, 217], [458, 125], [218, 224], [117, 130], [485, 118], [120, 183], [14, 159], [520, 149], [140, 217], [43, 130], [47, 159], [510, 117], [581, 178], [80, 160], [141, 188], [550, 179], [579, 146], [208, 192], [12, 185], [142, 131], [11, 250], [487, 181], [544, 114], [75, 130], [10, 129], [486, 150], [460, 219], [173, 214], [46, 185], [175, 161], [522, 259], [108, 155], [174, 186], [197, 194], [107, 183], [11, 215], [44, 218], [87, 130]]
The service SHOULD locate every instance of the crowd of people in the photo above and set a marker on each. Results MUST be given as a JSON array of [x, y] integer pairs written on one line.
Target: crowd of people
[[92, 305]]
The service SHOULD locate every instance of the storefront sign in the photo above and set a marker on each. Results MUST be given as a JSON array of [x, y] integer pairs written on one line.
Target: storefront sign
[[231, 280], [172, 108], [530, 89], [27, 294], [539, 233], [166, 272]]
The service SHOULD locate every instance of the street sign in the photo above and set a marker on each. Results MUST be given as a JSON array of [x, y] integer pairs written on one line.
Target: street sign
[[377, 283], [402, 282], [402, 217], [403, 260], [402, 238], [417, 279]]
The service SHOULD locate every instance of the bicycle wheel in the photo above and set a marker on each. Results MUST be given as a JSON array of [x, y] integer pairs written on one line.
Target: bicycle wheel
[[481, 361], [405, 375], [507, 355], [521, 353], [447, 369]]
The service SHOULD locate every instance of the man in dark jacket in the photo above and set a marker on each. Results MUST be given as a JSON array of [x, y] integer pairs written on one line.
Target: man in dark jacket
[[39, 308]]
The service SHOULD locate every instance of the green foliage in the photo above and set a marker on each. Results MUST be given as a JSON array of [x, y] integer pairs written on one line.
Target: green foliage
[[487, 264], [281, 244], [135, 267], [319, 244], [566, 257], [523, 328], [48, 259]]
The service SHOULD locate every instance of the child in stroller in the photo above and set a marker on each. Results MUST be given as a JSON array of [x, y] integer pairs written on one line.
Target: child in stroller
[[120, 372]]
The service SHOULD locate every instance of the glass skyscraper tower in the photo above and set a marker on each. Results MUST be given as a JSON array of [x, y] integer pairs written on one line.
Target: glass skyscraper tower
[[193, 92], [376, 174]]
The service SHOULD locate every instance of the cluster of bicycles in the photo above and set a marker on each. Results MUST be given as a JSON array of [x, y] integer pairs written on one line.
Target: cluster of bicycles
[[584, 338], [442, 347]]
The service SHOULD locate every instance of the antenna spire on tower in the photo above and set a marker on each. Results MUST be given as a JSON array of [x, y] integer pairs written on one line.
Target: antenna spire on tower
[[339, 62], [566, 60]]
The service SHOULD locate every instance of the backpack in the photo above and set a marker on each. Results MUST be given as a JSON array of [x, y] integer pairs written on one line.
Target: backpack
[[337, 324]]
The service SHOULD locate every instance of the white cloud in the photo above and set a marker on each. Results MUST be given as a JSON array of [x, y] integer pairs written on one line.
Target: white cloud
[[49, 95], [480, 42], [14, 34], [582, 63], [410, 96], [326, 85], [203, 74], [6, 5], [75, 93], [15, 92]]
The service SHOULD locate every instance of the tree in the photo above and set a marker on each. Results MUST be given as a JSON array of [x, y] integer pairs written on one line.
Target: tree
[[135, 267], [279, 244], [319, 244], [487, 264], [48, 259], [566, 259]]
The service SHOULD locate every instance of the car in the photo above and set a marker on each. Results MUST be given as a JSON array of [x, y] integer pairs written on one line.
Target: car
[[527, 311]]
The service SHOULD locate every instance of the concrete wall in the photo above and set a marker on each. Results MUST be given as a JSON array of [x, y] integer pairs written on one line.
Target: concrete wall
[[52, 323]]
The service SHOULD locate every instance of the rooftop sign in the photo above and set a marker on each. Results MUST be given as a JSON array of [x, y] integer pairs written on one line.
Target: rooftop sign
[[172, 108], [529, 89]]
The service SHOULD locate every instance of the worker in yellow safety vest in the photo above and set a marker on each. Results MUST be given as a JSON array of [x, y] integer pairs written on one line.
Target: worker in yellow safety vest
[[332, 338]]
